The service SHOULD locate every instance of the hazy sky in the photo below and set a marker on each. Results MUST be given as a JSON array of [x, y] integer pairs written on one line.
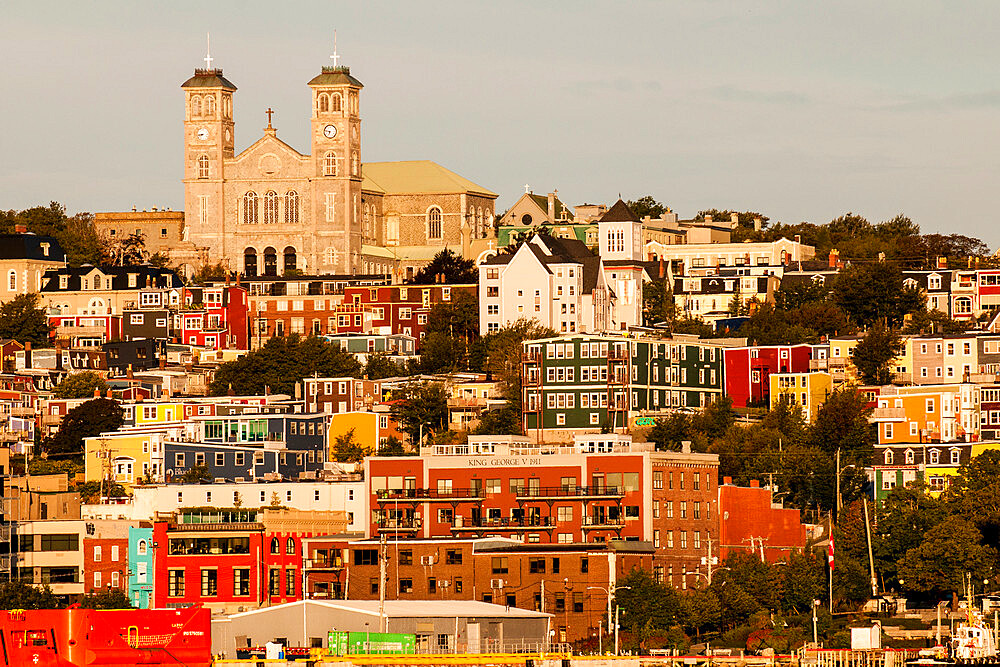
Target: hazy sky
[[799, 110]]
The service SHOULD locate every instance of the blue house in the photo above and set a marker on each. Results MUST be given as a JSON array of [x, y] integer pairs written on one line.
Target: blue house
[[140, 567]]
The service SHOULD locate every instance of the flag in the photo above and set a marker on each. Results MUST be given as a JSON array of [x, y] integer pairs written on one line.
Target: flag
[[829, 556]]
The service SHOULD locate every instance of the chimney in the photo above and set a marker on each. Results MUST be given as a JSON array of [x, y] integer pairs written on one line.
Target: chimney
[[230, 392], [128, 373], [109, 394], [727, 481], [708, 219], [685, 446], [163, 363], [786, 257], [552, 207], [942, 262], [59, 355], [757, 224], [754, 483], [20, 229], [663, 269], [834, 258], [27, 354], [798, 238], [734, 218]]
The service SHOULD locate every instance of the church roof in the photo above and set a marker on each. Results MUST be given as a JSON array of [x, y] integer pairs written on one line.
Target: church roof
[[208, 78], [335, 76], [417, 176], [620, 212]]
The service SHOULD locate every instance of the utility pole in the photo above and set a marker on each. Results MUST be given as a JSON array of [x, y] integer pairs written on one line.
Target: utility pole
[[838, 483], [617, 608], [708, 561], [871, 559], [382, 584]]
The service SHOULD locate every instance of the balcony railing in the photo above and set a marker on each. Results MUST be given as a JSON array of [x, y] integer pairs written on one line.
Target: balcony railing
[[390, 495], [530, 523], [602, 523], [324, 563], [399, 525], [570, 492], [889, 414]]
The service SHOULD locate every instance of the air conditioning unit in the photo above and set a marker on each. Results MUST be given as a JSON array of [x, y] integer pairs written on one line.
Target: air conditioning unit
[[496, 583], [427, 560]]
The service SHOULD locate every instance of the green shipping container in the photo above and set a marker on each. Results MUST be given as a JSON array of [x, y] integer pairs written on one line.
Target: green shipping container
[[360, 643]]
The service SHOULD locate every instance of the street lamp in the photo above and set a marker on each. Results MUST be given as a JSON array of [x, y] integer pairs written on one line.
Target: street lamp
[[609, 591]]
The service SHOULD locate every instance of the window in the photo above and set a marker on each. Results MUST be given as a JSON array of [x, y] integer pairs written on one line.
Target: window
[[453, 557], [434, 223], [175, 583], [406, 585], [366, 557], [209, 582], [241, 581], [290, 582], [275, 546], [330, 164], [203, 166], [291, 207], [114, 553], [500, 565], [290, 546], [274, 582], [270, 207], [250, 208], [97, 554]]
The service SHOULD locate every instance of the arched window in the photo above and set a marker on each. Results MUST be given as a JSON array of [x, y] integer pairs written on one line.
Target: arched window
[[12, 280], [290, 546], [291, 207], [480, 224], [330, 164], [329, 256], [210, 106], [289, 259], [910, 458], [203, 166], [270, 207], [270, 261], [354, 164], [250, 208], [141, 548], [367, 216], [935, 456], [434, 223], [275, 546], [324, 102], [250, 262], [888, 457], [196, 105], [335, 102]]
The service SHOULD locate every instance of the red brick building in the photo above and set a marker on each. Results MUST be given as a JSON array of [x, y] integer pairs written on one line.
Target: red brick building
[[750, 520], [105, 556], [591, 492], [748, 370], [567, 580]]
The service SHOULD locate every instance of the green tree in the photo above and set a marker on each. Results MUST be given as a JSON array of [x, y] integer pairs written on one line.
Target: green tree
[[874, 353], [421, 404], [947, 552], [282, 362], [874, 293], [22, 319], [347, 449], [209, 272], [647, 606], [701, 609], [90, 492], [197, 474], [646, 205], [901, 225], [455, 269], [842, 423], [796, 294], [80, 385], [393, 446], [975, 494], [100, 415], [129, 250], [505, 420], [658, 304], [76, 234], [380, 366], [931, 322], [903, 518], [21, 595], [502, 350], [112, 598]]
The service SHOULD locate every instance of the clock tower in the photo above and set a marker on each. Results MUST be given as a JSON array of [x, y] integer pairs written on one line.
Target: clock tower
[[208, 143], [336, 169]]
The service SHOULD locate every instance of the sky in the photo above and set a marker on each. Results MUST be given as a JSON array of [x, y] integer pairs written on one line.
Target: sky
[[802, 111]]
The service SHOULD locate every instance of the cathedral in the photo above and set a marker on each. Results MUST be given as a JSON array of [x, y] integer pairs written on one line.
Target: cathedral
[[271, 210]]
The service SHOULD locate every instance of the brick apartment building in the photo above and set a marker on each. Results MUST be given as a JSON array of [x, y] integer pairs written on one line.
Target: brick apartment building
[[105, 556]]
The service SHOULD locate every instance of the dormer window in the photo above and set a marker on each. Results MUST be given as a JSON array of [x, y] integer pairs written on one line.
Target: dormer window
[[955, 456], [934, 282], [910, 458], [888, 457], [63, 282], [935, 456], [132, 279], [45, 248]]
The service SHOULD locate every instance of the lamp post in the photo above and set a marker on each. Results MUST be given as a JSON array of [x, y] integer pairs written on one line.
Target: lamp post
[[609, 591]]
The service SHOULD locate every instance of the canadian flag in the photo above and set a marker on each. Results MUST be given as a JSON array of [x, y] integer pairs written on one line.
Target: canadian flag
[[829, 556]]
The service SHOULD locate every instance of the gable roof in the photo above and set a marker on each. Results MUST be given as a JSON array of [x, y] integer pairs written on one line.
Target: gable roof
[[418, 176], [542, 202], [263, 141], [620, 212]]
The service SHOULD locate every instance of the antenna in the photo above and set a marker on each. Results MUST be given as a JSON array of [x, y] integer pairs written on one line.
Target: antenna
[[208, 51], [335, 58]]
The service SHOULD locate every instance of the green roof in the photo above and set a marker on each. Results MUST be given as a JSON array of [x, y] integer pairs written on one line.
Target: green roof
[[417, 176], [208, 78], [542, 201], [335, 76]]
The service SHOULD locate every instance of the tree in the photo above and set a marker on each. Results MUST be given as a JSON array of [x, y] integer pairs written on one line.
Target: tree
[[799, 293], [901, 225], [646, 605], [646, 205], [90, 492], [946, 554], [380, 366], [701, 609], [22, 319], [874, 353], [81, 385], [100, 415], [456, 270], [975, 494], [209, 272], [346, 449], [197, 474], [505, 420], [281, 363], [421, 405], [451, 328], [129, 250], [112, 598], [20, 595], [76, 234], [658, 304], [904, 517], [874, 294], [931, 322], [842, 423], [393, 446]]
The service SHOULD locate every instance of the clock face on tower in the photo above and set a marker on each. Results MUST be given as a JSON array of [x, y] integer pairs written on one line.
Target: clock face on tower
[[203, 134], [330, 131]]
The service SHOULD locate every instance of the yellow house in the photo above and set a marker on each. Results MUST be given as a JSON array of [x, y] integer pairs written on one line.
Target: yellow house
[[808, 391], [149, 413], [365, 425], [124, 457], [944, 461]]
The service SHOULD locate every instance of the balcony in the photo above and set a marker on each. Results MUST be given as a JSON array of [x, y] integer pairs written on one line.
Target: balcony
[[602, 523], [411, 526], [888, 415], [463, 524], [569, 492], [429, 495], [819, 364], [324, 564]]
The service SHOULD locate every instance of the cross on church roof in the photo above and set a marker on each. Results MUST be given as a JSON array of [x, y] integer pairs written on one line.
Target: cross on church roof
[[269, 112], [335, 58], [208, 51]]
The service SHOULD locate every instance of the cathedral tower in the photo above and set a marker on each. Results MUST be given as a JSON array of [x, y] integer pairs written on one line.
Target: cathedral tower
[[336, 170], [208, 143]]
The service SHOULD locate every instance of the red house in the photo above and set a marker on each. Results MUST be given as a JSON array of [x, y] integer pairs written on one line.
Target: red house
[[749, 520], [748, 370], [221, 322], [401, 309]]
